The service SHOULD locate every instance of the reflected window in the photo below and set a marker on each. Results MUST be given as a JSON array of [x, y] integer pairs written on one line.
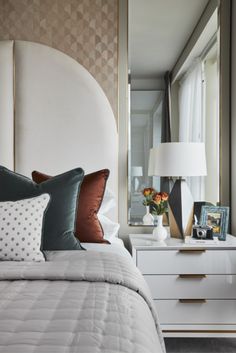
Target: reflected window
[[146, 116], [199, 119]]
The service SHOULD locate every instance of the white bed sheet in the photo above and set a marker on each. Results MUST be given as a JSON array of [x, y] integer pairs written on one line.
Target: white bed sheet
[[116, 247]]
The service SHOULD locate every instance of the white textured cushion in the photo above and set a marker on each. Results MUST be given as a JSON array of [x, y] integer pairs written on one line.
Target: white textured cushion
[[21, 225], [108, 202], [109, 227]]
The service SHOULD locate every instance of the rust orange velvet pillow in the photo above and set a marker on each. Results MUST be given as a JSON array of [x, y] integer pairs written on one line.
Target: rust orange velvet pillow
[[88, 228]]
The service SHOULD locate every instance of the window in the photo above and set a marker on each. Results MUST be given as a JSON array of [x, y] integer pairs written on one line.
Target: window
[[199, 119]]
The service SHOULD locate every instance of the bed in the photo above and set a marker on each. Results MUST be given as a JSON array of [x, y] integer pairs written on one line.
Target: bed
[[54, 116]]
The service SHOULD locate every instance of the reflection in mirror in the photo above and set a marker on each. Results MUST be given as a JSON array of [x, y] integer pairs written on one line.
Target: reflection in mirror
[[146, 115], [174, 83], [198, 106]]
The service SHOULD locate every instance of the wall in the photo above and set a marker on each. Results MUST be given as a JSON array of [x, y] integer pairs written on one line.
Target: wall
[[147, 84], [233, 120], [87, 30]]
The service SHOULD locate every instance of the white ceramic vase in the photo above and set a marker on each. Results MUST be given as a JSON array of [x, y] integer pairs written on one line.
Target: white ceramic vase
[[160, 232], [148, 219]]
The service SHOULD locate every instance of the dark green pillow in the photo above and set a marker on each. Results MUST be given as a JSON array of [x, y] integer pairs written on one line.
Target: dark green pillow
[[59, 222]]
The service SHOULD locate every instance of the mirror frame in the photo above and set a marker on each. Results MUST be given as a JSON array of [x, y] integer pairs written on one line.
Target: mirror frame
[[224, 11], [224, 8]]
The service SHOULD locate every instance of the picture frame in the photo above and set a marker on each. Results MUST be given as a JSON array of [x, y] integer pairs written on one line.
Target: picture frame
[[218, 218]]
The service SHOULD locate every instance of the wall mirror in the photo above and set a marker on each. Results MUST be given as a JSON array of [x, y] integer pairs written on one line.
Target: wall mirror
[[176, 93]]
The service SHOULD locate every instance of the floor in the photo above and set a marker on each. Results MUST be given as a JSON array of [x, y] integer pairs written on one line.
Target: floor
[[200, 345]]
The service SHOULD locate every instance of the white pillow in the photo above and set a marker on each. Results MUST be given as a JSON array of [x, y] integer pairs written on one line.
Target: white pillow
[[108, 202], [110, 228], [21, 225]]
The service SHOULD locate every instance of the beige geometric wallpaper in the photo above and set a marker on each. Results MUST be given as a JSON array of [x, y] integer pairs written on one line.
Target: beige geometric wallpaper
[[87, 30]]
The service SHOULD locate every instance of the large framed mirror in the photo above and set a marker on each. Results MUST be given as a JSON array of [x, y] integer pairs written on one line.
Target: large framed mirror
[[179, 81]]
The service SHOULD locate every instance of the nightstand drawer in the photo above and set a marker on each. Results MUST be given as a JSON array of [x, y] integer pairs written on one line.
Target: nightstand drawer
[[210, 312], [192, 286], [186, 261]]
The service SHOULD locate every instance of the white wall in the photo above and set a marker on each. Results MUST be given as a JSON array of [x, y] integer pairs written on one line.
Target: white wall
[[148, 84], [233, 121]]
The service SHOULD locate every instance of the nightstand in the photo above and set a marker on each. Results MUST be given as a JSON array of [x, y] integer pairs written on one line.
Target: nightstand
[[193, 287]]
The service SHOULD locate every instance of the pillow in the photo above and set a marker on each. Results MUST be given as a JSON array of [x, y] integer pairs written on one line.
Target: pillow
[[108, 202], [21, 225], [110, 228], [58, 232], [88, 227]]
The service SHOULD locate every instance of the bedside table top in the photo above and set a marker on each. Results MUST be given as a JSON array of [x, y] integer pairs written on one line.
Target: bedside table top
[[148, 242]]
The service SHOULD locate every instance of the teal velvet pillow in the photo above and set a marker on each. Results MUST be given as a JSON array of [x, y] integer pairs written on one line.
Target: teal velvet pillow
[[59, 222]]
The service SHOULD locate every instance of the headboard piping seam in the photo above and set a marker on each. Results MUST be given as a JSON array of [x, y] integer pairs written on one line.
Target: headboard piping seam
[[14, 107]]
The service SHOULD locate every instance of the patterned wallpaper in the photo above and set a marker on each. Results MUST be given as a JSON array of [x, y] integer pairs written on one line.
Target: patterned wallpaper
[[87, 30]]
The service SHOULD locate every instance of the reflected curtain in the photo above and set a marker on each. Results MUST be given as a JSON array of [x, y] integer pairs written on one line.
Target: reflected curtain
[[191, 119], [166, 117], [166, 130]]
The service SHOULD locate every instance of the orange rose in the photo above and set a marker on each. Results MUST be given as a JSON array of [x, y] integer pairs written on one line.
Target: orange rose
[[157, 198], [164, 196], [147, 191]]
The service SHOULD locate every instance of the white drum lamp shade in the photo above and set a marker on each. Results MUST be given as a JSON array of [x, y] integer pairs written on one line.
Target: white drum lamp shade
[[179, 159]]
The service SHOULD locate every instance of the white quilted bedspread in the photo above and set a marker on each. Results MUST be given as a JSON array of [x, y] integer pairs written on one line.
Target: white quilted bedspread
[[96, 303]]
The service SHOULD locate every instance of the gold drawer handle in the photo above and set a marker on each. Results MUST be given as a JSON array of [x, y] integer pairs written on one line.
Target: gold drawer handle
[[192, 251], [197, 276], [192, 301]]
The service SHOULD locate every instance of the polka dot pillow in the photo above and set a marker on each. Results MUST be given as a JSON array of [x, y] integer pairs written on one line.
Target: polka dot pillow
[[21, 225]]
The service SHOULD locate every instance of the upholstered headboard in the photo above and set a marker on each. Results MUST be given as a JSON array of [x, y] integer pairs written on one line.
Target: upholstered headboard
[[53, 114]]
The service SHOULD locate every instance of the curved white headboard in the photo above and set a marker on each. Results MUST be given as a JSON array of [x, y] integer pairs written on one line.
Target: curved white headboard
[[58, 117]]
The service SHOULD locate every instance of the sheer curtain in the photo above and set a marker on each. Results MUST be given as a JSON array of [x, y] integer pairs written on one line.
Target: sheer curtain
[[191, 119]]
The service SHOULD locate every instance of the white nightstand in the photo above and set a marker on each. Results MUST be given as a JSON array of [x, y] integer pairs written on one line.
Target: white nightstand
[[194, 287]]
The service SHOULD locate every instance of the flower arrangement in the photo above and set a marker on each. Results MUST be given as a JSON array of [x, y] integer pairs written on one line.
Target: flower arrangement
[[148, 194], [157, 201]]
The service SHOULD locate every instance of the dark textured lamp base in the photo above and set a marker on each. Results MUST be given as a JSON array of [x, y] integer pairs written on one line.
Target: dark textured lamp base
[[180, 210]]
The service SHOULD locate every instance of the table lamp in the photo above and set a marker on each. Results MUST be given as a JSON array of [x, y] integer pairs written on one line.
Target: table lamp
[[136, 171], [179, 159]]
